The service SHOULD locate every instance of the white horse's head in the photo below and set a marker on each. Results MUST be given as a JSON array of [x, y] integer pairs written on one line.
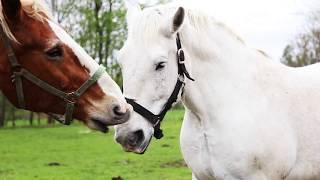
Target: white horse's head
[[149, 66]]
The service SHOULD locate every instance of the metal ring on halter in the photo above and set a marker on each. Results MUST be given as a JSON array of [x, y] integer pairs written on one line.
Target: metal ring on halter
[[156, 124], [71, 97]]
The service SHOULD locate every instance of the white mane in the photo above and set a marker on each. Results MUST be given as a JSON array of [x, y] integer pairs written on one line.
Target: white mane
[[146, 26], [151, 21], [37, 9]]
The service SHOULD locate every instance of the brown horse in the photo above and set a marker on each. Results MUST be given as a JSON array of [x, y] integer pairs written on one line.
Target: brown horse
[[45, 50]]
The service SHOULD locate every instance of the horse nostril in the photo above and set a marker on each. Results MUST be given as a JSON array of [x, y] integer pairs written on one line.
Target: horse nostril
[[133, 140], [136, 138], [117, 111], [118, 114]]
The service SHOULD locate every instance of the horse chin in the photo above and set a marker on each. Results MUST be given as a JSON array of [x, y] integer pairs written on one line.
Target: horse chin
[[98, 125], [101, 124]]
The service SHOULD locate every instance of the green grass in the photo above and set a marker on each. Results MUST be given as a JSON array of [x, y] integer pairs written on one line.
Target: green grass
[[76, 153]]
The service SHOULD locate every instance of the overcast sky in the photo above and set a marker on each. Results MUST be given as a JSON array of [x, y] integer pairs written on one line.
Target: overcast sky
[[268, 25]]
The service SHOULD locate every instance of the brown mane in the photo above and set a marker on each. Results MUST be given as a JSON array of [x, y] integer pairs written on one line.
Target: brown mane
[[39, 10]]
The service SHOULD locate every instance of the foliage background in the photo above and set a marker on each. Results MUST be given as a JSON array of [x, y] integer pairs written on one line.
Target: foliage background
[[305, 48]]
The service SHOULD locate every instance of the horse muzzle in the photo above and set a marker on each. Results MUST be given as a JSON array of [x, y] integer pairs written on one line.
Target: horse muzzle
[[135, 142], [116, 117]]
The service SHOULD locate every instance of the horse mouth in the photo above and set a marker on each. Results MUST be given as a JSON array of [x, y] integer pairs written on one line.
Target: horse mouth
[[100, 125], [141, 149]]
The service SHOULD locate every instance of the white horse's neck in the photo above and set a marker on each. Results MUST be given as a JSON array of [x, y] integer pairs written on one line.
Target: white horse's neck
[[245, 107], [224, 68]]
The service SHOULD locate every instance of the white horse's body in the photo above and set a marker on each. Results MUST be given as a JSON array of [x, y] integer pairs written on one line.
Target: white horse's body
[[247, 117], [261, 121]]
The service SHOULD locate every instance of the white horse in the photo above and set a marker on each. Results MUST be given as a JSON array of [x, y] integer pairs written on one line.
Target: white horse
[[247, 117]]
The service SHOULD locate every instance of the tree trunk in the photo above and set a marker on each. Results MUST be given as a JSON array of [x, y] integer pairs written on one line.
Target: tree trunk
[[99, 29], [31, 118], [108, 33], [13, 116], [2, 111], [39, 119], [50, 120]]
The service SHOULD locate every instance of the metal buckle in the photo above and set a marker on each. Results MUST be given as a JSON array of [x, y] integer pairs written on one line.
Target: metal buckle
[[158, 121], [16, 74], [16, 68], [181, 78], [181, 58], [11, 54], [71, 98]]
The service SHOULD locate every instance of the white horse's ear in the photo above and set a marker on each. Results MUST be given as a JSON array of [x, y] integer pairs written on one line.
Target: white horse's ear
[[177, 20], [133, 8]]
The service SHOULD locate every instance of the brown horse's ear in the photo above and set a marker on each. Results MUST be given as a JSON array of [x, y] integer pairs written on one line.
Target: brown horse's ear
[[11, 9], [178, 19]]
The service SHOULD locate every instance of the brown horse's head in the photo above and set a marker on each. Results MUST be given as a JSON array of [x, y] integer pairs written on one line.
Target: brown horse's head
[[43, 48]]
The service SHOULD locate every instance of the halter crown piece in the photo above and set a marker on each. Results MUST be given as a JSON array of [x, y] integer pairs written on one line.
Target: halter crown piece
[[156, 120], [19, 73]]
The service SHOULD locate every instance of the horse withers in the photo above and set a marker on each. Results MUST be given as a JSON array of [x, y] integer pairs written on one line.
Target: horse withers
[[247, 116], [43, 69]]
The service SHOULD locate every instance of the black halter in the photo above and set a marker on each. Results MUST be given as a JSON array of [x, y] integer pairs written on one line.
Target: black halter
[[70, 98], [156, 120]]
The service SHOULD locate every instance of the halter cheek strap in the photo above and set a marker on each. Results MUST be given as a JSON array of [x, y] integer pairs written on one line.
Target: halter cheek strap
[[156, 120], [19, 73]]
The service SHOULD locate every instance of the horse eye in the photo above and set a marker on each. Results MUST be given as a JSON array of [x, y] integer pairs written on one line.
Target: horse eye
[[160, 66], [55, 53]]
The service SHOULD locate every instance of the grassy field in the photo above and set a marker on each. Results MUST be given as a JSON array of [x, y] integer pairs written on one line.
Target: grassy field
[[76, 153]]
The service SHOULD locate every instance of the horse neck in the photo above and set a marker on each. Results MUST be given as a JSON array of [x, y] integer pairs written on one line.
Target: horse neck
[[223, 68]]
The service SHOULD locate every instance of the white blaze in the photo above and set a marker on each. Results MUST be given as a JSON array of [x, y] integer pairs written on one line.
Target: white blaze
[[108, 86]]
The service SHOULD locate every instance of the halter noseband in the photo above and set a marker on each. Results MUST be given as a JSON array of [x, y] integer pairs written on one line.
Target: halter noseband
[[156, 120], [18, 73]]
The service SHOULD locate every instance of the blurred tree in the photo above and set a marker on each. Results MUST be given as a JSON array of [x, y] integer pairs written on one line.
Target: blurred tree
[[61, 9], [2, 110], [31, 118], [13, 116], [305, 50], [39, 118]]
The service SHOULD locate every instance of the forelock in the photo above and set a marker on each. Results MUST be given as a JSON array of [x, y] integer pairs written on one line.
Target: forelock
[[39, 10]]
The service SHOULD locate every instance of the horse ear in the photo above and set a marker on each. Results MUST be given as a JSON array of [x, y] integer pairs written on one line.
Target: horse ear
[[11, 9], [178, 19], [27, 3], [133, 8]]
